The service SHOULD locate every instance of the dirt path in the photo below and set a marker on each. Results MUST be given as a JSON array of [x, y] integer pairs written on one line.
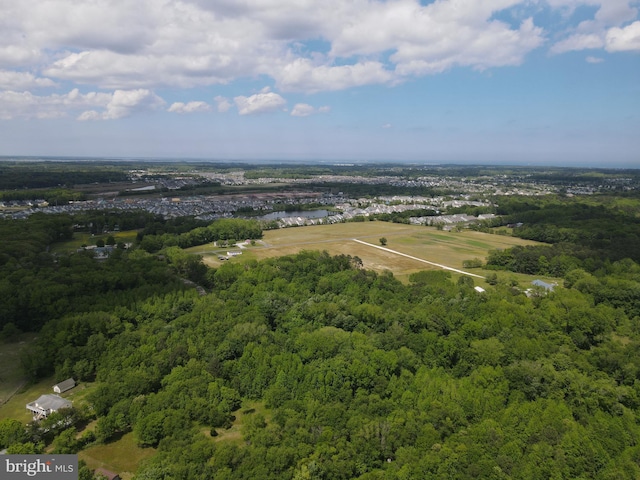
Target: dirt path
[[417, 259]]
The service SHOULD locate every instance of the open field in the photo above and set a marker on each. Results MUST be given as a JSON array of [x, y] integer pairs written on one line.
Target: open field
[[427, 243], [122, 456], [16, 407], [12, 380]]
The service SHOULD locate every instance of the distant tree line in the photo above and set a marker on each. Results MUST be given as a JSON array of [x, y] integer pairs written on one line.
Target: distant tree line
[[27, 176], [54, 196], [223, 229], [590, 230]]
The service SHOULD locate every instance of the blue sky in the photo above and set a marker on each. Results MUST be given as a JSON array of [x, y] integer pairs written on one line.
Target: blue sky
[[540, 82]]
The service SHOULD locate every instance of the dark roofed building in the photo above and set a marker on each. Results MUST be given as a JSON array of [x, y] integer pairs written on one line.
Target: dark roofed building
[[107, 474], [68, 384]]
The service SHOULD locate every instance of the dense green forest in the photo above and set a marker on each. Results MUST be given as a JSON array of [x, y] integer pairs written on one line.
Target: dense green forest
[[37, 286], [356, 375], [363, 377], [591, 231], [223, 229]]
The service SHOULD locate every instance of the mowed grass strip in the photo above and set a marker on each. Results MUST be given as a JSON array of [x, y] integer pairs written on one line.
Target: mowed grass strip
[[427, 243]]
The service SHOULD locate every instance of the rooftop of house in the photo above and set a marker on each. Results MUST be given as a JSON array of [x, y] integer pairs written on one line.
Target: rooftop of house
[[50, 402], [545, 285], [65, 385], [106, 473]]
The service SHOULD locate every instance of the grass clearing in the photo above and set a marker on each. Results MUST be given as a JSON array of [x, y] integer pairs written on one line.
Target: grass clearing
[[12, 379], [427, 243], [122, 456], [84, 238], [16, 407], [15, 390], [234, 434]]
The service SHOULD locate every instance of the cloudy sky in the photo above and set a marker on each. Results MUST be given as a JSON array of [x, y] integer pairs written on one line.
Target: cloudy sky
[[463, 81]]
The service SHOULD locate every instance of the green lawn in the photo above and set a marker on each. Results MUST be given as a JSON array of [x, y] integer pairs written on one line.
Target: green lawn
[[16, 406], [83, 238], [122, 456], [12, 380]]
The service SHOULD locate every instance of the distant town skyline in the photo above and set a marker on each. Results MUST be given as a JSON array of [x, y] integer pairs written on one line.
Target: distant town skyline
[[514, 82]]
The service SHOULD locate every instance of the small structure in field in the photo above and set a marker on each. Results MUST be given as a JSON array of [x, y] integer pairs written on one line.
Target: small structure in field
[[107, 474], [68, 384]]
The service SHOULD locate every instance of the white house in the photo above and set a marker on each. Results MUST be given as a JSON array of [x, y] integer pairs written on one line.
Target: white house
[[68, 384], [547, 286], [47, 404]]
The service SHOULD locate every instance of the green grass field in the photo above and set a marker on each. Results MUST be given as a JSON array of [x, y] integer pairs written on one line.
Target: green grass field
[[16, 406], [12, 380], [122, 456], [427, 243]]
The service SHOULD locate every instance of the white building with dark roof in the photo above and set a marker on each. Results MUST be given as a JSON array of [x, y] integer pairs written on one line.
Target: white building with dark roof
[[68, 384], [46, 405]]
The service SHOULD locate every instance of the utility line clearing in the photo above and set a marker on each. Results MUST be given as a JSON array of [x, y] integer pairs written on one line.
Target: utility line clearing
[[418, 259]]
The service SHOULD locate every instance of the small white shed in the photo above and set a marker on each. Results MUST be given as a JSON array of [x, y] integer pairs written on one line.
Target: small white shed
[[68, 384]]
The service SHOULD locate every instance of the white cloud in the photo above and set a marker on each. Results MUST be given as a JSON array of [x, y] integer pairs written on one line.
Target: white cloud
[[146, 44], [263, 102], [578, 42], [624, 39], [89, 115], [124, 103], [303, 75], [615, 12], [27, 105], [594, 33], [92, 105], [609, 12], [304, 110], [16, 56], [591, 59], [223, 104], [433, 38], [191, 107], [493, 46], [114, 105], [11, 80]]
